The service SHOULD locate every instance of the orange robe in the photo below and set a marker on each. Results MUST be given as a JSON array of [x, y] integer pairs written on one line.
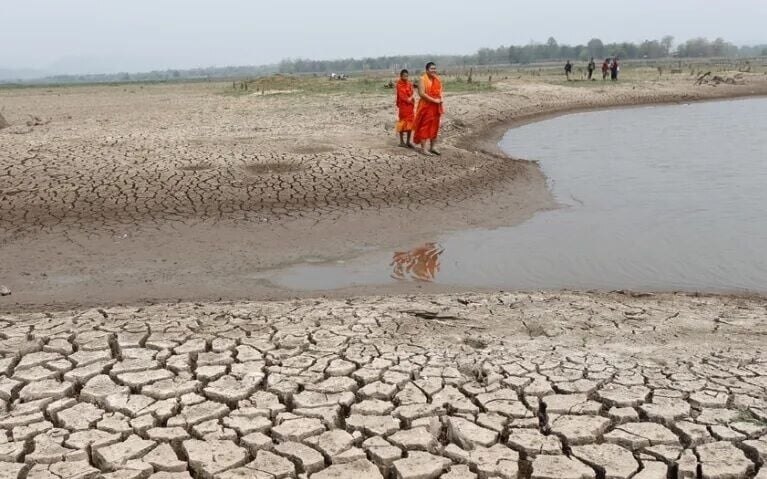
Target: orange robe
[[429, 114], [405, 106]]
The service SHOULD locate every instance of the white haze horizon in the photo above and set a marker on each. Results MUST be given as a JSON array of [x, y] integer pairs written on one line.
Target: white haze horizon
[[50, 37]]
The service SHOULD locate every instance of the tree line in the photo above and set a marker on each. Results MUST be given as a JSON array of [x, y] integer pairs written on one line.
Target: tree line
[[533, 52], [536, 52]]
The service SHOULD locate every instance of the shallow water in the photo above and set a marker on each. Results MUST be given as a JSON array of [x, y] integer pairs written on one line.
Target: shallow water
[[654, 198]]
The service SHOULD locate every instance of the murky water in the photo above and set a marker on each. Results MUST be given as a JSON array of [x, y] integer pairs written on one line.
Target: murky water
[[655, 198]]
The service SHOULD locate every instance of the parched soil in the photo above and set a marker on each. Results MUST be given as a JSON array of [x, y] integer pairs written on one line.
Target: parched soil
[[134, 195], [516, 386], [131, 193]]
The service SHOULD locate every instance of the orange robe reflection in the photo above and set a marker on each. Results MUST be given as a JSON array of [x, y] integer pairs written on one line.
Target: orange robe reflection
[[428, 115], [421, 263], [405, 106]]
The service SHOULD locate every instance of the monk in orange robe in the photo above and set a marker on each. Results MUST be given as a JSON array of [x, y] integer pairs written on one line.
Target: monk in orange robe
[[430, 108], [406, 109]]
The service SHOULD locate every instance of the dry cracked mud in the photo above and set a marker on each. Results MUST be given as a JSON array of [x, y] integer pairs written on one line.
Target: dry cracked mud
[[542, 385], [127, 193]]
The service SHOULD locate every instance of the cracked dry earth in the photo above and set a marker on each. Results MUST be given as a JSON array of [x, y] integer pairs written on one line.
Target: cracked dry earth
[[133, 193], [165, 155], [538, 386], [107, 157]]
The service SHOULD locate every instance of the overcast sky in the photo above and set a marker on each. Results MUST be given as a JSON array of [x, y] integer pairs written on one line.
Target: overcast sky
[[80, 36]]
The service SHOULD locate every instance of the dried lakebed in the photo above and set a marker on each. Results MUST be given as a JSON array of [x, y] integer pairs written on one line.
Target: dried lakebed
[[506, 385]]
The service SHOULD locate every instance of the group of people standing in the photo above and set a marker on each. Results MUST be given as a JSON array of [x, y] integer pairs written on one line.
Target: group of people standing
[[420, 122], [609, 66]]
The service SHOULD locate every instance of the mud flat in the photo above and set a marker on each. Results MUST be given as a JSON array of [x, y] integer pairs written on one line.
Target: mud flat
[[123, 194], [130, 196]]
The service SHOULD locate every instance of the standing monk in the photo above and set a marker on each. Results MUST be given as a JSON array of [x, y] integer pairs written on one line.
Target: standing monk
[[430, 109], [406, 108]]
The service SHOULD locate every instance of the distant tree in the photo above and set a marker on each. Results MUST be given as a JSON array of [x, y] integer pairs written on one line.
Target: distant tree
[[565, 51], [719, 47], [552, 48], [483, 56], [596, 48], [667, 42], [695, 47], [651, 49]]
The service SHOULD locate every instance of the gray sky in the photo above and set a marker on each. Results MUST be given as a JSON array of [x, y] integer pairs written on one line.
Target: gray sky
[[80, 36]]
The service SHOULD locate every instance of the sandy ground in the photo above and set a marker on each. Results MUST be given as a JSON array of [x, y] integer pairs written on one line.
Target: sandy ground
[[144, 193], [512, 386]]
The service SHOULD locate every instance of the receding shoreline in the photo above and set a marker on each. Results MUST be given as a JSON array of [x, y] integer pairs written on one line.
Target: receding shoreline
[[516, 198]]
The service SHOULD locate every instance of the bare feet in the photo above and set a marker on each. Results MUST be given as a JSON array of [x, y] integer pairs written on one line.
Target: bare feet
[[435, 152]]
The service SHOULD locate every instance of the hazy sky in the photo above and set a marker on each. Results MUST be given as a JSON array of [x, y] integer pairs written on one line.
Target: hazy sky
[[137, 35]]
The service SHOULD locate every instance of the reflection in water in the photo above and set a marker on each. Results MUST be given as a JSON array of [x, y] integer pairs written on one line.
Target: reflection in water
[[678, 205], [421, 263]]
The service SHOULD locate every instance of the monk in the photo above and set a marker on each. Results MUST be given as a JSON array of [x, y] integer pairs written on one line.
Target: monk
[[406, 109], [429, 111]]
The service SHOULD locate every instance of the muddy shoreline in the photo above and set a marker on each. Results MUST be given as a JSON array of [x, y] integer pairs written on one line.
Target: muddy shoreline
[[196, 270]]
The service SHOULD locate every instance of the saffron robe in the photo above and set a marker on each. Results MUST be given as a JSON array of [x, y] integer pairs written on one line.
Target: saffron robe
[[405, 107], [428, 114]]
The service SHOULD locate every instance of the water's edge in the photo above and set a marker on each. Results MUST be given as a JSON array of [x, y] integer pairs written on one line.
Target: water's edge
[[365, 270]]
